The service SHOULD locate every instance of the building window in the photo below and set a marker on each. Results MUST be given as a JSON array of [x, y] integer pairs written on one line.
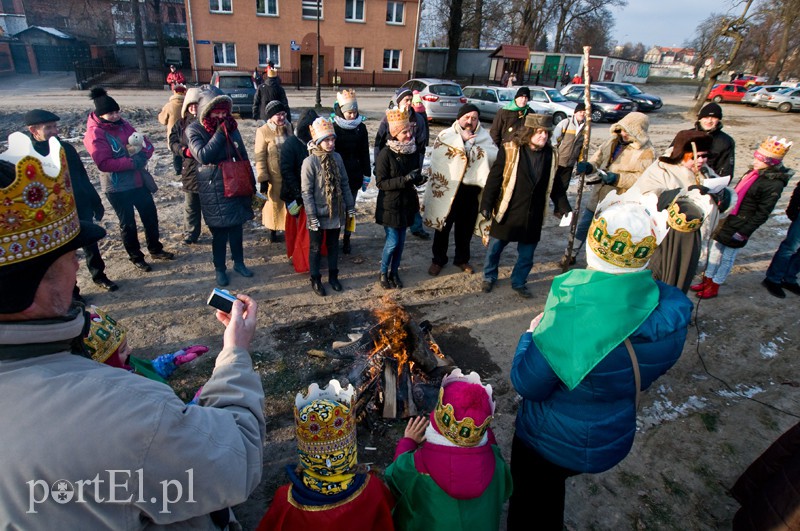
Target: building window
[[224, 53], [391, 59], [220, 6], [172, 14], [394, 12], [310, 9], [267, 7], [353, 57], [354, 10], [269, 52]]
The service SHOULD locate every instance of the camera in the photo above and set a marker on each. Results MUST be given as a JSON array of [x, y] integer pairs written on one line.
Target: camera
[[221, 300]]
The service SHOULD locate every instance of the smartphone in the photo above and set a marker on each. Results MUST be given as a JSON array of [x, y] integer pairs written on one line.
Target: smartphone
[[221, 299]]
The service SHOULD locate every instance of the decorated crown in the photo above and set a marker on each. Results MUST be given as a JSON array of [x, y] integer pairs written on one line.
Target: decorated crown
[[105, 335], [37, 210], [397, 120], [326, 428], [773, 150], [347, 100], [678, 215], [321, 128], [464, 431]]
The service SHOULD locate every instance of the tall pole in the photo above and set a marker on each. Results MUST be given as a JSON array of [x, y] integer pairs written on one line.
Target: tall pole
[[318, 105]]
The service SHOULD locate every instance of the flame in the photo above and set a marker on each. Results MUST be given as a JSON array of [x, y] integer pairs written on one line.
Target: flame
[[391, 337]]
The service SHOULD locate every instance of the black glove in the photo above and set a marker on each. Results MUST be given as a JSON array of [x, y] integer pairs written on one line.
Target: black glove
[[585, 168], [722, 199], [139, 160], [700, 188], [415, 177], [666, 198], [485, 214], [609, 177], [262, 187], [99, 212]]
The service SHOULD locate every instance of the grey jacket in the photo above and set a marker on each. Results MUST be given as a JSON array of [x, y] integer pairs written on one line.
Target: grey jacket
[[313, 186]]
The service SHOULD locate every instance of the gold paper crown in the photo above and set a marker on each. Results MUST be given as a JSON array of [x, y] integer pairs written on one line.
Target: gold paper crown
[[618, 249], [774, 148], [346, 98], [462, 432], [37, 210], [397, 120], [321, 128], [325, 426], [105, 335], [677, 219]]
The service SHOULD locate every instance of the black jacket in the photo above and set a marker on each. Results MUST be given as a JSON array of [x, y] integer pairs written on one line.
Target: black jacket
[[293, 152], [177, 141], [793, 209], [353, 146], [397, 199], [723, 151], [505, 124], [268, 91], [421, 134]]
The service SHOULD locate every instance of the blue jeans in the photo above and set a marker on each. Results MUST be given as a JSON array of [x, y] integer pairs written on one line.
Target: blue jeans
[[392, 249], [417, 225], [720, 262], [584, 222], [519, 275], [786, 263]]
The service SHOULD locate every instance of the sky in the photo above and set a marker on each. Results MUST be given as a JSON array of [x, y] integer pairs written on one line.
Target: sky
[[664, 22]]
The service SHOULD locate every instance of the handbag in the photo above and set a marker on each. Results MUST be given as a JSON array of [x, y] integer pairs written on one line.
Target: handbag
[[237, 174], [149, 181]]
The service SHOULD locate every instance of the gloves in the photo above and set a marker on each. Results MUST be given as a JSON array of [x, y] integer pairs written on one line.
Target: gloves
[[415, 177], [739, 237], [722, 198], [351, 213], [365, 183], [486, 214], [584, 168], [99, 212], [312, 223], [166, 364], [262, 187], [139, 160], [666, 198], [609, 177], [700, 188], [293, 208], [187, 154], [229, 124]]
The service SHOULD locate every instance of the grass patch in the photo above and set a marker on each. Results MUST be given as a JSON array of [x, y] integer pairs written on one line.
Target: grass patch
[[674, 487], [710, 420], [708, 477], [629, 480]]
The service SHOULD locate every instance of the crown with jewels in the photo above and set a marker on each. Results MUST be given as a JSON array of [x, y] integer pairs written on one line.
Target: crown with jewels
[[37, 210], [772, 150], [466, 431], [105, 335], [397, 120], [678, 220], [321, 128]]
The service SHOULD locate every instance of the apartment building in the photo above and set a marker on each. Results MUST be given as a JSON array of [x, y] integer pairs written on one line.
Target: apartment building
[[355, 35]]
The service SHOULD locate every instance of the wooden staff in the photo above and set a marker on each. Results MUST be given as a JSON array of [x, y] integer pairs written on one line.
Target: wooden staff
[[573, 226]]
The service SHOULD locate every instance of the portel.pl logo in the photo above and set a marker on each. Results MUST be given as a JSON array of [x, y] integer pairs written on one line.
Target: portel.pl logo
[[118, 486]]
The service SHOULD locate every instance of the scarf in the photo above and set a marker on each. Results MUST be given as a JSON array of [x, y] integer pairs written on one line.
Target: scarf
[[331, 179], [512, 106], [403, 148], [742, 187], [348, 124], [59, 334]]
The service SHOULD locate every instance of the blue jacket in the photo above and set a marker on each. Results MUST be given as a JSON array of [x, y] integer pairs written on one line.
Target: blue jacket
[[591, 428]]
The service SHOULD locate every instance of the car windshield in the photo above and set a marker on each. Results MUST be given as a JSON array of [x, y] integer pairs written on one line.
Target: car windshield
[[235, 82], [506, 94], [556, 96], [754, 89], [632, 90], [783, 90], [445, 90]]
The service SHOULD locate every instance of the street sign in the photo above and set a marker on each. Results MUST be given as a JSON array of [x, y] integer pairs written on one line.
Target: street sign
[[295, 47], [198, 41]]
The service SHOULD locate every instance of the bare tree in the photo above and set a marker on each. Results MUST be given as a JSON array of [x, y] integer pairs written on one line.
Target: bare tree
[[592, 30], [709, 41], [144, 75], [454, 37], [789, 18], [531, 19], [566, 12], [162, 56]]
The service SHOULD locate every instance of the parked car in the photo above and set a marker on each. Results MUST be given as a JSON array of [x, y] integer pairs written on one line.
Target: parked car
[[749, 80], [644, 102], [727, 92], [759, 94], [553, 101], [441, 98], [606, 105], [785, 100], [490, 99], [239, 86]]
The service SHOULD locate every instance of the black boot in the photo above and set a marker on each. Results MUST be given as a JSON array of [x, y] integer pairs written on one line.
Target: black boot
[[384, 281], [333, 280], [316, 285], [394, 280], [346, 243]]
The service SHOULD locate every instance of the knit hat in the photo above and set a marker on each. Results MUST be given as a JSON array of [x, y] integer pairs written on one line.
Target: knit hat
[[273, 108], [523, 91], [397, 119], [321, 129], [580, 107], [192, 96], [347, 100], [712, 109], [683, 144], [771, 151], [468, 108], [465, 409], [40, 116], [105, 335], [271, 72], [38, 221], [539, 121], [103, 103], [416, 102], [401, 93]]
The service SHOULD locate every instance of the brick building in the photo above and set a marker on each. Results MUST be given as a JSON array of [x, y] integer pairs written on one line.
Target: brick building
[[356, 36]]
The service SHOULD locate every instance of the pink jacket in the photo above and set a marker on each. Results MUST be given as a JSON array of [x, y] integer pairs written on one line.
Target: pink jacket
[[106, 143]]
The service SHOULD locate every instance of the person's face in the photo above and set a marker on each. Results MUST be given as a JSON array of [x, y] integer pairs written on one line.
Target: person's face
[[469, 122], [580, 116], [278, 118], [404, 103], [625, 136], [218, 113], [350, 115], [521, 101], [43, 132], [328, 143], [192, 108], [709, 123], [759, 165], [695, 164], [538, 139], [113, 116], [171, 68], [404, 135]]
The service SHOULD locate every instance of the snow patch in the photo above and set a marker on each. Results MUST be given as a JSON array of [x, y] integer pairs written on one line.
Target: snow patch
[[663, 410], [768, 350], [740, 391]]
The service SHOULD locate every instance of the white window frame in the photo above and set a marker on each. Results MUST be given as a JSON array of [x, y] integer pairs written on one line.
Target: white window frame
[[397, 55], [224, 48], [394, 5], [351, 17], [276, 64], [312, 4], [349, 54], [220, 6], [266, 12]]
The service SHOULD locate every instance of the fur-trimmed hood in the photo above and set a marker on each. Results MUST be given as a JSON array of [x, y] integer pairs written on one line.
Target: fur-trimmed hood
[[192, 96], [207, 98], [636, 124]]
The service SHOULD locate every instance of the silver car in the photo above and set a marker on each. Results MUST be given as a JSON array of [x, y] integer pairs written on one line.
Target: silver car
[[785, 100], [441, 98], [759, 94], [553, 101], [489, 99]]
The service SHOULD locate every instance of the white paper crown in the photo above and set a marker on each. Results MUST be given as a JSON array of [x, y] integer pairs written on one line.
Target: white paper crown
[[334, 391]]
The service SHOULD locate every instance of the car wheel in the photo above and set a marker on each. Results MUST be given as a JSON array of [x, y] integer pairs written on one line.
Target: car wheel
[[558, 116], [717, 99], [597, 116], [785, 107]]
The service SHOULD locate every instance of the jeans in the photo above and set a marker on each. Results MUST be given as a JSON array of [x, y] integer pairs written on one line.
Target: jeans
[[585, 221], [123, 204], [315, 237], [220, 237], [191, 216], [786, 263], [720, 262], [417, 225], [392, 249], [462, 214], [519, 275]]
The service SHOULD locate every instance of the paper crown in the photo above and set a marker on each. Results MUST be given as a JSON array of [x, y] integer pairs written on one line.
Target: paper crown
[[625, 232], [772, 150], [684, 213], [37, 210], [326, 428], [347, 100], [321, 129], [105, 335], [397, 120], [465, 397]]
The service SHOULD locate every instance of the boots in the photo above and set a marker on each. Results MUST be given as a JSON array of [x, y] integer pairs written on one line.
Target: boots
[[316, 285], [710, 291], [333, 280], [346, 243], [700, 286], [394, 280], [384, 281]]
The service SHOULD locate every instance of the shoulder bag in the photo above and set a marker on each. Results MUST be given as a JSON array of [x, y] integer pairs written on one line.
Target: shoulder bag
[[237, 174]]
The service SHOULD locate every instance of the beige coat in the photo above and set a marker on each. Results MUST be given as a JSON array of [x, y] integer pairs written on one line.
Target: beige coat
[[269, 139], [171, 112], [631, 161]]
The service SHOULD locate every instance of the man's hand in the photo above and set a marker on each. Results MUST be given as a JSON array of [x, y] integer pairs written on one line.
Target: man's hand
[[584, 168], [466, 136], [240, 324], [415, 429], [485, 214]]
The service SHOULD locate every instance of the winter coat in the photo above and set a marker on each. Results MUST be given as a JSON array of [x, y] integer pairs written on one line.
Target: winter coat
[[268, 91], [756, 206], [421, 135], [793, 208], [591, 428], [209, 150], [268, 170], [397, 199], [177, 144], [106, 143], [313, 190], [353, 146], [567, 138], [505, 125], [171, 112], [175, 77], [721, 156], [293, 152], [516, 195]]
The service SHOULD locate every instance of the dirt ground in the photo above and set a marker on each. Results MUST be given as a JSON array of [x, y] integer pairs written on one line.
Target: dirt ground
[[700, 425]]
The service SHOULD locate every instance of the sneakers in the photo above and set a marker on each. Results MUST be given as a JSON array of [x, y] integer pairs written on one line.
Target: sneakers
[[222, 277], [523, 292], [487, 286], [242, 270], [774, 288], [421, 234], [793, 287], [163, 255], [466, 268], [105, 283], [434, 270], [142, 265]]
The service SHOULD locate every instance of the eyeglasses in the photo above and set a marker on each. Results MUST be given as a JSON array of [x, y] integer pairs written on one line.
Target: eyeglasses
[[702, 155]]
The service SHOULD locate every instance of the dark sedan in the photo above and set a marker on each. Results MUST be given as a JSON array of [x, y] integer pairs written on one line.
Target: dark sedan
[[606, 105], [644, 102]]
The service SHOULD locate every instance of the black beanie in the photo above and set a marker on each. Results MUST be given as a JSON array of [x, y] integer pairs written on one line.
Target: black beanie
[[103, 103], [273, 108], [467, 108], [580, 107], [712, 109], [523, 91]]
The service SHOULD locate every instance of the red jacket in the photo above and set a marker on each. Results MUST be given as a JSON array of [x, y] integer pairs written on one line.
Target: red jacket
[[175, 77]]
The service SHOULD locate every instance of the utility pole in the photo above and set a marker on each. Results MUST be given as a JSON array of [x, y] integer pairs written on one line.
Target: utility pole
[[318, 105]]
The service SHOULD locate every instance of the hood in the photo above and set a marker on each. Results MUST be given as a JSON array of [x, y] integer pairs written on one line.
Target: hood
[[207, 97], [95, 121], [272, 81], [301, 129], [192, 96], [778, 172], [177, 97], [463, 473], [636, 124]]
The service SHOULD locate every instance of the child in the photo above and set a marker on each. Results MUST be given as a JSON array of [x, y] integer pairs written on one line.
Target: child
[[327, 490], [457, 479]]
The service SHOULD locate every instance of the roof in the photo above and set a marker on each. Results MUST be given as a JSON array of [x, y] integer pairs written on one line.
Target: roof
[[52, 31], [666, 49], [511, 51]]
